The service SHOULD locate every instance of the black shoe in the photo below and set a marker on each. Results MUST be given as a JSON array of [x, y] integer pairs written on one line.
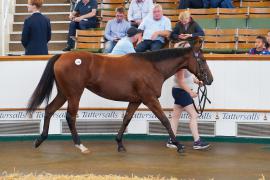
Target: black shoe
[[200, 145], [67, 48], [169, 144]]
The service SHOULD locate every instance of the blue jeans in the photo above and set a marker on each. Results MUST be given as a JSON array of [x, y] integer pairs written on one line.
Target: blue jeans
[[149, 45], [109, 45], [78, 25], [184, 4], [219, 3]]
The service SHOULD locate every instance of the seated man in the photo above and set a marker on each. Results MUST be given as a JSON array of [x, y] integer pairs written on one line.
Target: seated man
[[186, 29], [260, 46], [139, 9], [125, 45], [115, 29], [87, 10], [156, 29]]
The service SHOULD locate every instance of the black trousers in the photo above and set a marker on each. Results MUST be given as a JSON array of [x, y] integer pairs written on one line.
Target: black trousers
[[184, 4]]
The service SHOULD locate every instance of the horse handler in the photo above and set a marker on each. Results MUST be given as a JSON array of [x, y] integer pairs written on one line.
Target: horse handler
[[183, 95]]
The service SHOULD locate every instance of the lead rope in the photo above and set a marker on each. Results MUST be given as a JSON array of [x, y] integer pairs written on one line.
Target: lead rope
[[202, 98]]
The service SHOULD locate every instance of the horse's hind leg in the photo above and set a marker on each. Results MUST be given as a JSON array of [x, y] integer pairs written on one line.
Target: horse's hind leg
[[50, 109], [132, 107], [153, 104], [73, 106]]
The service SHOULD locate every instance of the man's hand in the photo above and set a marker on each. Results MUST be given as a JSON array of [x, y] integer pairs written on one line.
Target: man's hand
[[78, 19], [116, 39], [138, 21], [184, 36], [71, 17], [154, 36]]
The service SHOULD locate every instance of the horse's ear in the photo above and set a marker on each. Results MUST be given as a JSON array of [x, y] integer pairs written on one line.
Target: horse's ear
[[197, 43]]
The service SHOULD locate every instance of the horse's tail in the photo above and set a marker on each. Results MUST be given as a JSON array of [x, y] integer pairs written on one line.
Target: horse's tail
[[44, 88]]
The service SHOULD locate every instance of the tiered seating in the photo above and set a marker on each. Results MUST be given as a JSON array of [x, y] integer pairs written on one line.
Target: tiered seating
[[219, 40], [232, 18], [56, 10], [205, 17], [168, 4], [90, 40], [248, 16], [112, 4], [230, 40], [259, 18], [246, 38]]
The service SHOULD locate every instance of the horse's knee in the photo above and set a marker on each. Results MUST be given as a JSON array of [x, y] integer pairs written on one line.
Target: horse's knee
[[166, 123]]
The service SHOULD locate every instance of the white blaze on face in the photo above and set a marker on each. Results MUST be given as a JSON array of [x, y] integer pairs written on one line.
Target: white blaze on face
[[78, 62]]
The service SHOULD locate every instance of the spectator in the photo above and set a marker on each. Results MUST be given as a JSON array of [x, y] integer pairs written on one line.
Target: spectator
[[36, 30], [195, 4], [268, 41], [156, 28], [260, 46], [139, 9], [87, 10], [186, 29], [125, 45], [115, 29], [218, 3]]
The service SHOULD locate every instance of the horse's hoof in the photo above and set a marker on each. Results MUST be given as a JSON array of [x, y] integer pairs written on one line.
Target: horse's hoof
[[181, 150], [83, 149], [37, 143], [122, 149], [86, 151]]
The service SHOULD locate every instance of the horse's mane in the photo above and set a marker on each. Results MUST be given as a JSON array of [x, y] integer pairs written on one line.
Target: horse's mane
[[162, 54]]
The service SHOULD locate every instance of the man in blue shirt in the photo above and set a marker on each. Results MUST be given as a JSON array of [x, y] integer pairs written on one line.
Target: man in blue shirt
[[155, 29], [87, 10], [115, 29], [125, 45]]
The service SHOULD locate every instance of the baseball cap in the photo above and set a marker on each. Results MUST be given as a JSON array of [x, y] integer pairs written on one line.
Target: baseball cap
[[133, 31]]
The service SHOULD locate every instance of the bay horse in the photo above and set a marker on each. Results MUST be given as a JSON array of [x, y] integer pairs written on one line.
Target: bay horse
[[135, 78]]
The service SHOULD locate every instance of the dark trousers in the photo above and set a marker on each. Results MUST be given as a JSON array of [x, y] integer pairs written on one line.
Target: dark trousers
[[149, 45], [184, 4], [78, 25]]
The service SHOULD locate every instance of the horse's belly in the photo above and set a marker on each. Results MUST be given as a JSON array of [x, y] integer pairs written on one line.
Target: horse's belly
[[116, 93]]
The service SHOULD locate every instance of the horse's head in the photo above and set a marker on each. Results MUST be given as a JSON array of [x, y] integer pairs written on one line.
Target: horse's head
[[198, 65]]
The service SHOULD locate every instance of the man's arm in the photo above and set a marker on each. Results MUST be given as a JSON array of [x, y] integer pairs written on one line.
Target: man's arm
[[89, 15], [107, 32], [25, 33]]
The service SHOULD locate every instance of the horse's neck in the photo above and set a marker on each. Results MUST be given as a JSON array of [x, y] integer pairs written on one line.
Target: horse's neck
[[170, 66]]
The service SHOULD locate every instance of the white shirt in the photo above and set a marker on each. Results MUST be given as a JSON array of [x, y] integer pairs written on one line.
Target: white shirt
[[188, 79], [123, 46], [139, 10], [149, 26]]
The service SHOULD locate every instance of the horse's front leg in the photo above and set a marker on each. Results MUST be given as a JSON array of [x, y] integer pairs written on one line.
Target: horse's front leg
[[153, 104], [132, 107]]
